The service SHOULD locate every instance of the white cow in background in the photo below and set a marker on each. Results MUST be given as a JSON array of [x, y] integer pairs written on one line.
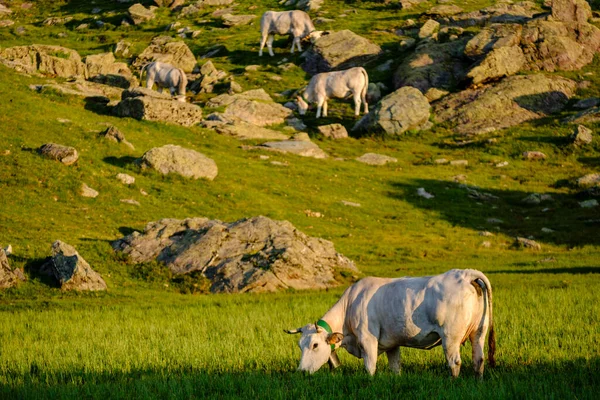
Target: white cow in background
[[165, 76], [338, 84], [296, 23], [377, 315]]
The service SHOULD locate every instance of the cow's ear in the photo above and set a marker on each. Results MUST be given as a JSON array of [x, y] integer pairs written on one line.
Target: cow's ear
[[334, 338]]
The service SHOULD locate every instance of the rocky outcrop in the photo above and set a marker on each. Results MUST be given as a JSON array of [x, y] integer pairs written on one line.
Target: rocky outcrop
[[71, 271], [146, 104], [171, 159], [433, 65], [65, 154], [164, 49], [498, 63], [333, 131], [406, 108], [82, 88], [250, 255], [9, 277], [571, 10], [514, 100], [339, 50], [44, 59]]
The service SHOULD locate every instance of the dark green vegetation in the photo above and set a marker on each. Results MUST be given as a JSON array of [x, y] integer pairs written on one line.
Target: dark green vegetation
[[144, 339]]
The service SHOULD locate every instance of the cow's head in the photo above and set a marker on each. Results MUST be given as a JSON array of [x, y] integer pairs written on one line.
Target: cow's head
[[302, 105], [314, 35], [318, 347]]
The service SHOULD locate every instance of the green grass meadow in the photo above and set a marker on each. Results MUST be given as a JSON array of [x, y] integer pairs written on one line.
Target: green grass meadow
[[152, 335]]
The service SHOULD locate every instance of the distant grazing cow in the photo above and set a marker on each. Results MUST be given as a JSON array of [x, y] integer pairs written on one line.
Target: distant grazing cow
[[377, 315], [165, 76], [296, 23], [338, 84]]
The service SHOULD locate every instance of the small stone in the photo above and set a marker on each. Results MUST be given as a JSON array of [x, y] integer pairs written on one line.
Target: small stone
[[494, 221], [547, 230], [459, 178], [486, 244], [65, 154], [527, 243], [130, 201], [462, 163], [590, 180], [143, 192], [485, 233], [441, 161], [126, 179], [263, 157], [350, 203], [534, 155], [333, 131], [428, 29], [581, 136], [252, 68], [589, 203], [502, 164], [87, 191], [376, 159], [313, 214]]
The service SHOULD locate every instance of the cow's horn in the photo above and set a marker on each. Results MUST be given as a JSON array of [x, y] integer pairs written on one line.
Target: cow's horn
[[292, 331]]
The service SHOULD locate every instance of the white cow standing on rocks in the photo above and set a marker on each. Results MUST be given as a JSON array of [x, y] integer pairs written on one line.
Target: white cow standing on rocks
[[295, 22], [338, 84], [377, 315], [165, 76]]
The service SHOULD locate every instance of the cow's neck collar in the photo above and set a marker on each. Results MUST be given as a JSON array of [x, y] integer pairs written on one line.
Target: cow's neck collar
[[323, 324]]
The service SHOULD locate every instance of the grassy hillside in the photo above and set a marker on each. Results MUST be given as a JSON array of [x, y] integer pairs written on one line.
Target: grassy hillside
[[143, 338]]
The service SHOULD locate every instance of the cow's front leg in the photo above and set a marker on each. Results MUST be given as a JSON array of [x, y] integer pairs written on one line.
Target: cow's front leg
[[263, 41], [325, 108], [298, 43], [369, 352], [394, 359], [270, 45], [293, 45], [149, 83], [320, 102], [452, 351]]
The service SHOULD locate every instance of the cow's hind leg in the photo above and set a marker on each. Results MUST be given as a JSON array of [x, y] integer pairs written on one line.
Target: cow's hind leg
[[325, 108], [394, 359], [369, 352], [356, 104], [452, 351], [263, 41], [478, 344], [270, 44]]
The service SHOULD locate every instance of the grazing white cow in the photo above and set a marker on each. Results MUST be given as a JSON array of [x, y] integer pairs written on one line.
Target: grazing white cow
[[377, 315], [165, 76], [338, 84], [296, 23]]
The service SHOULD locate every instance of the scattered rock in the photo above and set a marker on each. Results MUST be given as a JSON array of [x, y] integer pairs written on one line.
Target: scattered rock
[[245, 131], [9, 277], [339, 50], [71, 271], [486, 244], [146, 104], [133, 202], [178, 160], [230, 20], [527, 243], [494, 221], [429, 29], [87, 191], [502, 164], [6, 23], [590, 180], [126, 179], [581, 136], [140, 14], [350, 203], [498, 63], [534, 155], [313, 214], [122, 49], [376, 159], [402, 110], [304, 148], [112, 133], [536, 198], [547, 230], [164, 49], [485, 233], [65, 154], [250, 255], [588, 203], [333, 131], [460, 163]]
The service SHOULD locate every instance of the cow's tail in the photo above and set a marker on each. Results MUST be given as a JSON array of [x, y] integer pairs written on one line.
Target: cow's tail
[[363, 93], [487, 288]]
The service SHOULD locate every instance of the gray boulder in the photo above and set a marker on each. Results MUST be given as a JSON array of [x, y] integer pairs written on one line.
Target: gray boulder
[[245, 131], [9, 277], [230, 20], [140, 14], [406, 108], [498, 63], [376, 159], [589, 180], [339, 50], [253, 106], [514, 100], [164, 49], [115, 135], [171, 159], [146, 104], [71, 271], [333, 131], [65, 154], [304, 148], [250, 255]]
